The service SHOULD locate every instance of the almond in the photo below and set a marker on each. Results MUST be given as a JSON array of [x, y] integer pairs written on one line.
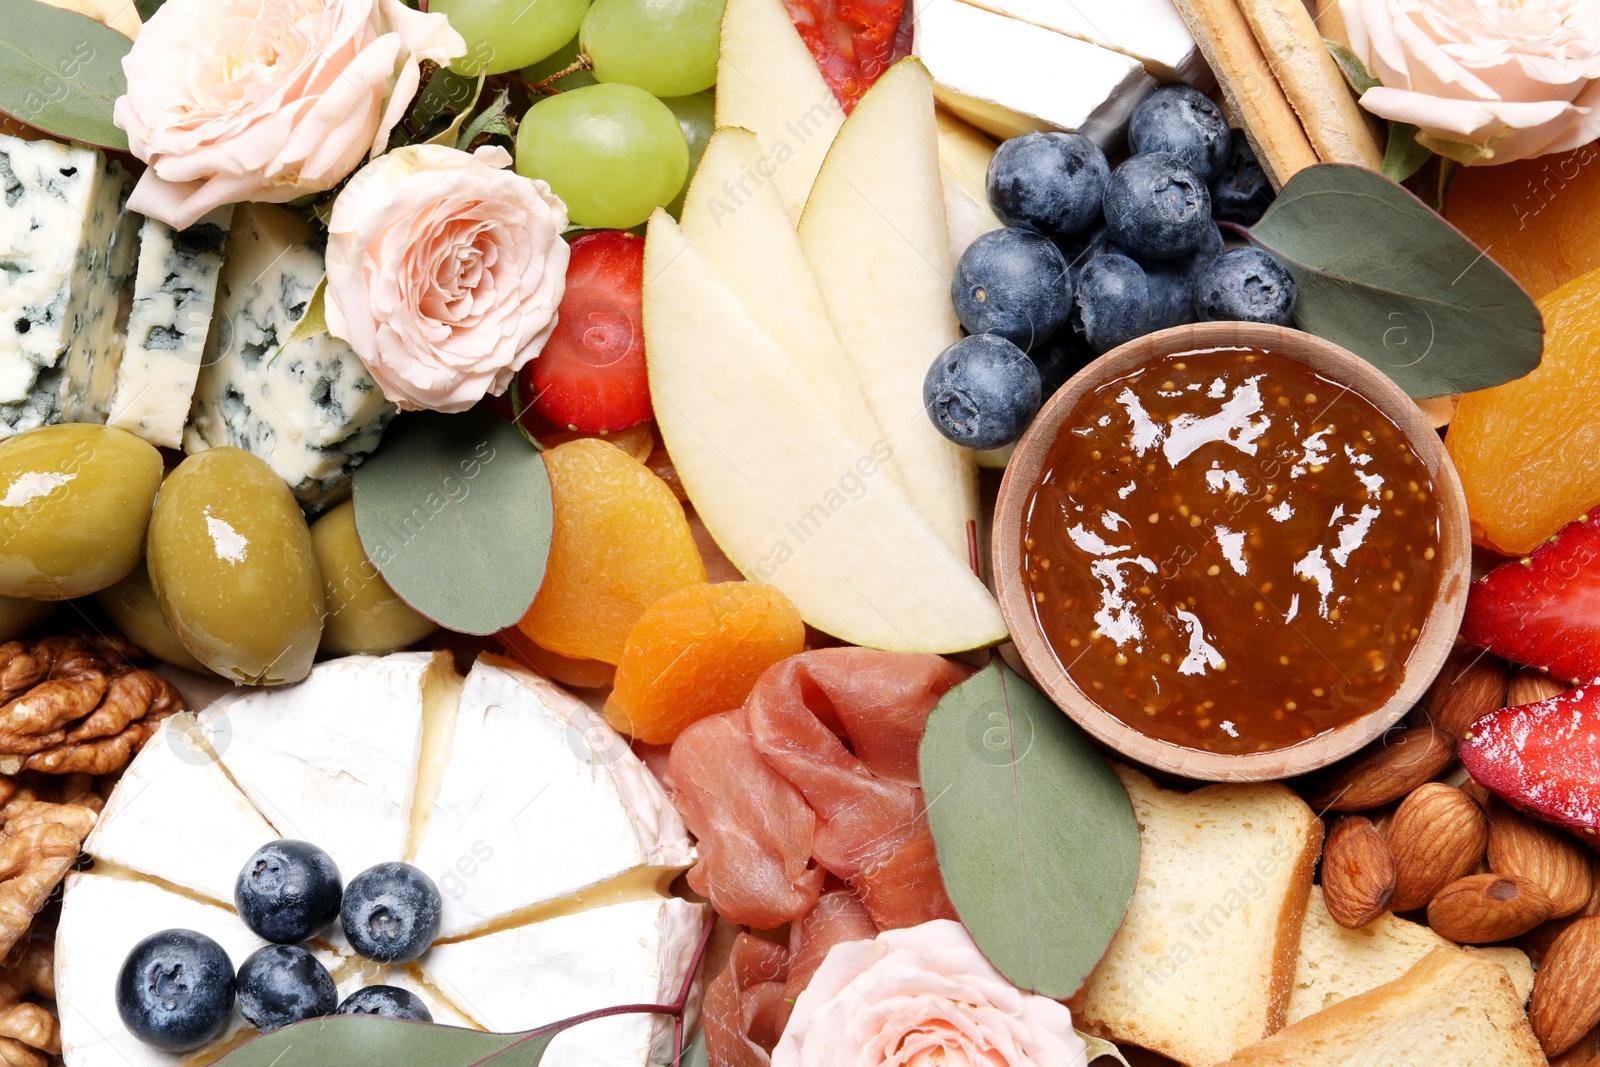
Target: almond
[[1388, 771], [1437, 835], [1537, 942], [1585, 1053], [1481, 908], [1529, 686], [1566, 991], [1471, 684], [1358, 872], [1544, 855]]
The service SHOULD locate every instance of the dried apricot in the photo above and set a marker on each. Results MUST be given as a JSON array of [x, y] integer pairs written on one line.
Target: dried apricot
[[621, 543], [579, 673], [1538, 218], [637, 441], [698, 652], [1525, 450]]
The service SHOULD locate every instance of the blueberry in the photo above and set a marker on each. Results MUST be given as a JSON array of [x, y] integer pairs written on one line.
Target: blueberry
[[1245, 285], [1171, 283], [1241, 192], [1183, 121], [1050, 183], [175, 990], [391, 912], [283, 984], [1065, 355], [390, 1002], [288, 891], [1112, 303], [1156, 206], [1012, 283], [1079, 248], [982, 392]]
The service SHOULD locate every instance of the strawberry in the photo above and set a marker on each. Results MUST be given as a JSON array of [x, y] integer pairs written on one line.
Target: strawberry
[[1544, 611], [1543, 758]]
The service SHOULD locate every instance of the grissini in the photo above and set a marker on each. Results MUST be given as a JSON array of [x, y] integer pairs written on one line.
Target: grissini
[[1252, 94], [1312, 81]]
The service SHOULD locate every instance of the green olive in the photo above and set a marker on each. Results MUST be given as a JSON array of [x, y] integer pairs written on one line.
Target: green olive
[[18, 616], [233, 569], [364, 614], [74, 503], [131, 603]]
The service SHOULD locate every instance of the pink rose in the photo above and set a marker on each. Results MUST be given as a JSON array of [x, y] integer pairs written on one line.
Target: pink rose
[[1486, 81], [444, 272], [267, 100], [923, 996]]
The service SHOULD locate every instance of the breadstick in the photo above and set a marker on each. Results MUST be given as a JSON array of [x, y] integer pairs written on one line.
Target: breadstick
[[1313, 82], [1252, 94], [1330, 22]]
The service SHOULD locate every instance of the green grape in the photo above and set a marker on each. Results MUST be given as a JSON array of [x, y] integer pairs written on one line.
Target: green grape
[[503, 35], [555, 63], [612, 153], [665, 47], [695, 118]]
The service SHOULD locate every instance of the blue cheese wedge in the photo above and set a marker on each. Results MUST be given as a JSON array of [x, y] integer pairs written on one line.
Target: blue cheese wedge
[[307, 407], [173, 295], [1010, 77], [67, 250]]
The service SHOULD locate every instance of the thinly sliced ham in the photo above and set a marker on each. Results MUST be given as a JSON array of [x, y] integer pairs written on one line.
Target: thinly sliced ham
[[744, 1007], [838, 917]]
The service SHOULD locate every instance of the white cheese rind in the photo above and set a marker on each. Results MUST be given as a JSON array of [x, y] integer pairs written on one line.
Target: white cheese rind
[[174, 294], [333, 760], [66, 245], [1010, 77], [101, 921], [540, 800], [634, 953], [1150, 31], [309, 408], [176, 816]]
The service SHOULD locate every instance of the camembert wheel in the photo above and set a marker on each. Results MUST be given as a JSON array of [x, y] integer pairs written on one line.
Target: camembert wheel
[[550, 842]]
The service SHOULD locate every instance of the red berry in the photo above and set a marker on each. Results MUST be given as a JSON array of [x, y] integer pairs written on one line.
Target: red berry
[[590, 377], [1543, 758]]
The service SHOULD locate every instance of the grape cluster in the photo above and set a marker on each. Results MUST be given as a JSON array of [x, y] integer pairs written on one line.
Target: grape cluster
[[623, 136]]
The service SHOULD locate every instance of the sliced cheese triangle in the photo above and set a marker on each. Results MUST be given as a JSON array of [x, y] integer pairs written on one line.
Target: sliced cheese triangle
[[768, 83], [784, 488], [531, 809], [333, 760], [176, 816], [874, 232], [633, 953], [108, 916]]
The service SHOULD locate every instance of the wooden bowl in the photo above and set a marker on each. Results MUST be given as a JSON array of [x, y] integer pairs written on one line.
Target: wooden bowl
[[1332, 362]]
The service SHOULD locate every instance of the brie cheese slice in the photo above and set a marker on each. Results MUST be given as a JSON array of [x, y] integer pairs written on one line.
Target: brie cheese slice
[[176, 816], [108, 916], [518, 979], [1150, 31], [528, 812], [333, 760], [1009, 77]]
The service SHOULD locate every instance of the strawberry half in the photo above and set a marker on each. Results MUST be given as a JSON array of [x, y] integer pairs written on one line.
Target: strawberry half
[[1544, 611], [1543, 758]]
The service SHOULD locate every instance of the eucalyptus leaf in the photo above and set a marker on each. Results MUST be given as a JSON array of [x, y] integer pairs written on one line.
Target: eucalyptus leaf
[[1099, 1046], [1355, 72], [315, 320], [1391, 281], [1403, 156], [455, 512], [61, 72], [374, 1041], [1035, 834], [694, 1053]]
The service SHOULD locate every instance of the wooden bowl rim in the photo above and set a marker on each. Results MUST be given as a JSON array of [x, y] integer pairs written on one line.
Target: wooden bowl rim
[[1328, 359]]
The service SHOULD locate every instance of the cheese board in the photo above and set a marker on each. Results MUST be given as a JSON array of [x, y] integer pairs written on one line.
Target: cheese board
[[779, 533]]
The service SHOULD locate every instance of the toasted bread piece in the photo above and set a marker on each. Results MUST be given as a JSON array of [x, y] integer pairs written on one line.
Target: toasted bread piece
[[1453, 1009], [1204, 962], [1336, 963]]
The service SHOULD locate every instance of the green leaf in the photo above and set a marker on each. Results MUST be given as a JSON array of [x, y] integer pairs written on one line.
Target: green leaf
[[148, 8], [448, 136], [61, 72], [1385, 277], [1099, 1046], [695, 1054], [315, 320], [447, 95], [493, 119], [455, 512], [1035, 835], [1355, 71], [1404, 156], [374, 1041]]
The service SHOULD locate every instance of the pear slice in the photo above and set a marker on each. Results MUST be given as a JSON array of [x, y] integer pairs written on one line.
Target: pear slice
[[874, 231], [768, 83], [754, 250], [791, 497], [964, 154]]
